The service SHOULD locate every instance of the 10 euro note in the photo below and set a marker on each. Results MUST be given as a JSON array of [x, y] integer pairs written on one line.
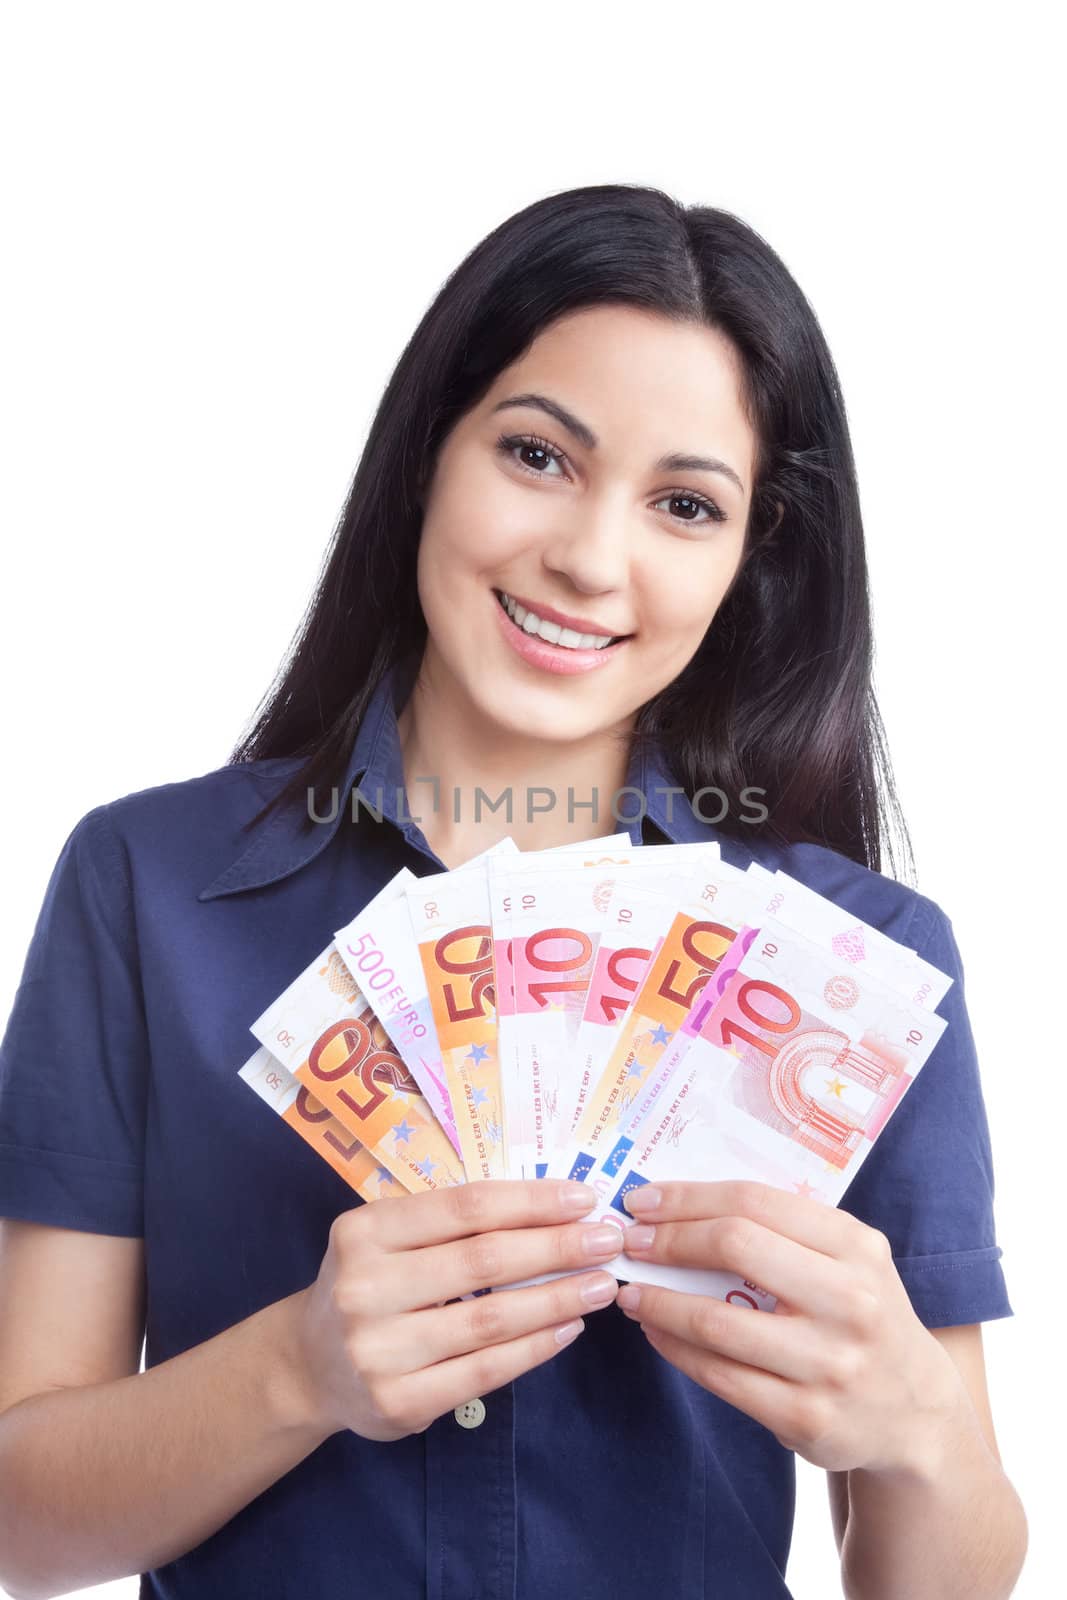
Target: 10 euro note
[[517, 1087], [629, 936], [683, 903], [553, 911], [324, 1030], [735, 903], [794, 1073]]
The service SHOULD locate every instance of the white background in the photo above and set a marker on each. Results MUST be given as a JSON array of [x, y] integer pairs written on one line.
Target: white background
[[223, 222]]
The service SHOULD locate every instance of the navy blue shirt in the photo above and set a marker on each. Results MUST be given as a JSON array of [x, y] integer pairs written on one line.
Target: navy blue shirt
[[164, 931]]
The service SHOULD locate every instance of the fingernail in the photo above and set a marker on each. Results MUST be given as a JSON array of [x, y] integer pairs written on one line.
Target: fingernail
[[639, 1237], [598, 1291], [644, 1198], [629, 1297], [577, 1197], [602, 1241], [569, 1331]]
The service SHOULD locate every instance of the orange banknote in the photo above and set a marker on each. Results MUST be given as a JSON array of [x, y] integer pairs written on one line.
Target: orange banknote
[[329, 1138]]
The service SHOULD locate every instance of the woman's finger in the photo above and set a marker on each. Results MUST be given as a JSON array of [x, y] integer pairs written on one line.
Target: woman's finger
[[789, 1347], [438, 1389], [441, 1215], [808, 1281], [806, 1221], [415, 1279], [417, 1339]]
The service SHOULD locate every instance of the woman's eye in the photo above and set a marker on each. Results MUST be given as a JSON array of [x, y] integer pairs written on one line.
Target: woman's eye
[[509, 443], [684, 498]]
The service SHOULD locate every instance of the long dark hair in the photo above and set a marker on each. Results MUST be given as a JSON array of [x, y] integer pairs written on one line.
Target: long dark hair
[[779, 694]]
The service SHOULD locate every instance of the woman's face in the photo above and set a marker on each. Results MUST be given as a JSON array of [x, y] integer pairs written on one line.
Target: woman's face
[[583, 524]]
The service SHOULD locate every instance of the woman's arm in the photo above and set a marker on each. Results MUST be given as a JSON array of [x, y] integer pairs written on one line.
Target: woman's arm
[[954, 1526], [87, 1458], [382, 1342]]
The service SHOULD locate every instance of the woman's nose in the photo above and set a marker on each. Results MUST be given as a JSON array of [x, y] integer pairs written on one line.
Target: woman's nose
[[591, 549]]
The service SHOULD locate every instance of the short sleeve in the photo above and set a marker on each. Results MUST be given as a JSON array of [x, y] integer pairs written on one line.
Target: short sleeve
[[928, 1183], [73, 1060]]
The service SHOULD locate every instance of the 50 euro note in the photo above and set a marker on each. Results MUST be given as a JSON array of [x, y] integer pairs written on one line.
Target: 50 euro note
[[450, 924], [378, 948], [738, 897], [452, 927], [629, 936], [323, 1029], [318, 1127], [682, 902], [793, 1075]]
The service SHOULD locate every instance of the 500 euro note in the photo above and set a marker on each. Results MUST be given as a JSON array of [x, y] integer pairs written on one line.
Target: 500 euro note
[[378, 950], [849, 937]]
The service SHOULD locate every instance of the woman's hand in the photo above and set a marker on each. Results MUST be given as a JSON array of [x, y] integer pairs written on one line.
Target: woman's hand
[[843, 1372], [383, 1354]]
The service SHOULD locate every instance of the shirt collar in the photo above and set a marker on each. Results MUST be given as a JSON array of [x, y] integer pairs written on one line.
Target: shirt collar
[[282, 844]]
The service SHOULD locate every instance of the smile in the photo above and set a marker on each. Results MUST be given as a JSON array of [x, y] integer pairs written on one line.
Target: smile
[[552, 632]]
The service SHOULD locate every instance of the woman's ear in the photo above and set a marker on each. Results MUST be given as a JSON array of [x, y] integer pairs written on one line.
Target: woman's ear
[[764, 536]]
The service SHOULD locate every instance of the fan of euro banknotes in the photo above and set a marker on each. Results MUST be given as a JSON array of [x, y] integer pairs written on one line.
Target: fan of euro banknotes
[[604, 1013]]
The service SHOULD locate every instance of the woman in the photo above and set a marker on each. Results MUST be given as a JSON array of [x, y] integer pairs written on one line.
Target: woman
[[620, 416]]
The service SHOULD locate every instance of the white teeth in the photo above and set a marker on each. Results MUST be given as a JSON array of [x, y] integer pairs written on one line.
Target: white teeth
[[530, 622]]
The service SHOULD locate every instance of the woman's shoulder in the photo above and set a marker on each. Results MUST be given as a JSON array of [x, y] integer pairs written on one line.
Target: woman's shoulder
[[188, 827], [251, 782]]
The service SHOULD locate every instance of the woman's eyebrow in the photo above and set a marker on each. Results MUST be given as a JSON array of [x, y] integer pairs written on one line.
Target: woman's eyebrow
[[675, 462]]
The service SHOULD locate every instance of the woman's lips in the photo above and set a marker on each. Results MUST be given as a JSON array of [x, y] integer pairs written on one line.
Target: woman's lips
[[551, 657]]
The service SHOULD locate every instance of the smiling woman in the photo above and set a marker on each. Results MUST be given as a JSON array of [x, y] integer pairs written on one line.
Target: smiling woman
[[598, 541], [620, 413], [604, 536]]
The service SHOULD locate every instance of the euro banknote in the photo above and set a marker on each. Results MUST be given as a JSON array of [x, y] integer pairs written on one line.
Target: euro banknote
[[322, 1028], [318, 1127], [793, 1072], [584, 1012]]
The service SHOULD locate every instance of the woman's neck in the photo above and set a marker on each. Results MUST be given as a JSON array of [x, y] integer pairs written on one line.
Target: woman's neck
[[461, 773]]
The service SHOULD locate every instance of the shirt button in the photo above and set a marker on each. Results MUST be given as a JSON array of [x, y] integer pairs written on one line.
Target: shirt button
[[470, 1415]]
